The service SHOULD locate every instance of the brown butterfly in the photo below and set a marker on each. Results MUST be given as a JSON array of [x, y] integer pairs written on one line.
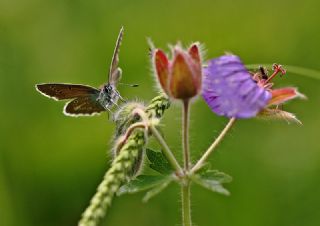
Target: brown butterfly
[[87, 100]]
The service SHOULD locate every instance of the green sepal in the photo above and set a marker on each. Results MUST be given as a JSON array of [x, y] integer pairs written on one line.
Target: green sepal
[[212, 180], [158, 162], [142, 183]]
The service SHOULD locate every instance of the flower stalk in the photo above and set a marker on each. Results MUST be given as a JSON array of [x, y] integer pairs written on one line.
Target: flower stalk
[[185, 186], [185, 136], [167, 152], [213, 146]]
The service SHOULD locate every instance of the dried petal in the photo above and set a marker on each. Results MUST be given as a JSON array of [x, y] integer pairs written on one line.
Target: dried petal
[[277, 114]]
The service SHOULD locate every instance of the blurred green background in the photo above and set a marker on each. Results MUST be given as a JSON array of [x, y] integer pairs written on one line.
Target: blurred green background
[[50, 164]]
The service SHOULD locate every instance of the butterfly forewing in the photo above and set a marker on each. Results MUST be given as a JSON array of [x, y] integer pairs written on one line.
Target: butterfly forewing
[[86, 105], [115, 72], [66, 91]]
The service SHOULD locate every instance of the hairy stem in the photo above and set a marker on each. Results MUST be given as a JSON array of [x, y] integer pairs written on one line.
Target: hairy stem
[[185, 136], [212, 147], [166, 151], [186, 208]]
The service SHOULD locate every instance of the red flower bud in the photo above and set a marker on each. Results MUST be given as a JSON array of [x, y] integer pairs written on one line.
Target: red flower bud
[[181, 77]]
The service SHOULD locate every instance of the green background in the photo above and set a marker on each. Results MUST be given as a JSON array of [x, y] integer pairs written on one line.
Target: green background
[[50, 164]]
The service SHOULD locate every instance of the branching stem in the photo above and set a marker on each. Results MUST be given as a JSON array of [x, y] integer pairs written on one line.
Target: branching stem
[[166, 151]]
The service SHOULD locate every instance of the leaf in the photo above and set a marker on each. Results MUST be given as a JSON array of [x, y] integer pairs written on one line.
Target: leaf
[[204, 168], [153, 192], [216, 175], [158, 162], [142, 183], [213, 180]]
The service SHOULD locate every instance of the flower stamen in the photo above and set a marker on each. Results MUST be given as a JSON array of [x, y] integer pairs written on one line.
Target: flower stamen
[[276, 69]]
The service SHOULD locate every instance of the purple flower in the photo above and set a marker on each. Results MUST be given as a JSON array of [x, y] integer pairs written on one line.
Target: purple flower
[[230, 90]]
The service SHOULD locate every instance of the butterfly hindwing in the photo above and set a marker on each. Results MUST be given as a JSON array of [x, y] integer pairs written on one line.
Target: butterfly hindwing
[[61, 91], [87, 105]]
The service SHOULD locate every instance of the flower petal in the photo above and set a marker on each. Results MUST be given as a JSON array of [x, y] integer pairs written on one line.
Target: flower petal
[[182, 82], [195, 53], [282, 95], [161, 63], [229, 89]]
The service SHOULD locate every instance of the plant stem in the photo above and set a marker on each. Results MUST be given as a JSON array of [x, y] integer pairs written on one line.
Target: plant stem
[[185, 136], [186, 208], [185, 186], [166, 151], [217, 141]]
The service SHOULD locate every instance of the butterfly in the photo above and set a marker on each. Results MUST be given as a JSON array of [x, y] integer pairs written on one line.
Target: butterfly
[[87, 100]]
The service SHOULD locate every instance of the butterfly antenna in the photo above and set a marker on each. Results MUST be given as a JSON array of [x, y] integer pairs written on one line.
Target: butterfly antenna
[[131, 85]]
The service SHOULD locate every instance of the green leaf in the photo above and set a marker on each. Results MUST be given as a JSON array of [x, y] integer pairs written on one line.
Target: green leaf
[[142, 183], [158, 162], [153, 192], [204, 168], [216, 175], [213, 180]]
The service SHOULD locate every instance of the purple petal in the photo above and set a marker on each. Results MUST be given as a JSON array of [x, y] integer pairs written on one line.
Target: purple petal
[[229, 90]]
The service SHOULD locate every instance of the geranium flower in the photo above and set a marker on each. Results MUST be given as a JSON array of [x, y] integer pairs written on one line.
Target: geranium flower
[[231, 90]]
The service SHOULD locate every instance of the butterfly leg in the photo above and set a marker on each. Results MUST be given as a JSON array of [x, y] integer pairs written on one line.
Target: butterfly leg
[[114, 103], [109, 112], [122, 99]]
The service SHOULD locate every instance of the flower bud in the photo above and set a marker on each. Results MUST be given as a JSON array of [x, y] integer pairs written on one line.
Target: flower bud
[[181, 77]]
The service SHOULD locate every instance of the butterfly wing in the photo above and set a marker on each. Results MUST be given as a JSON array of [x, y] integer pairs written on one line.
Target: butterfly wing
[[83, 106], [115, 71], [61, 91]]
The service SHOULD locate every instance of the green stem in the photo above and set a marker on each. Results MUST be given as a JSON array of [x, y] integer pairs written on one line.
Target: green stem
[[185, 187], [185, 136], [166, 151], [186, 208], [212, 147]]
